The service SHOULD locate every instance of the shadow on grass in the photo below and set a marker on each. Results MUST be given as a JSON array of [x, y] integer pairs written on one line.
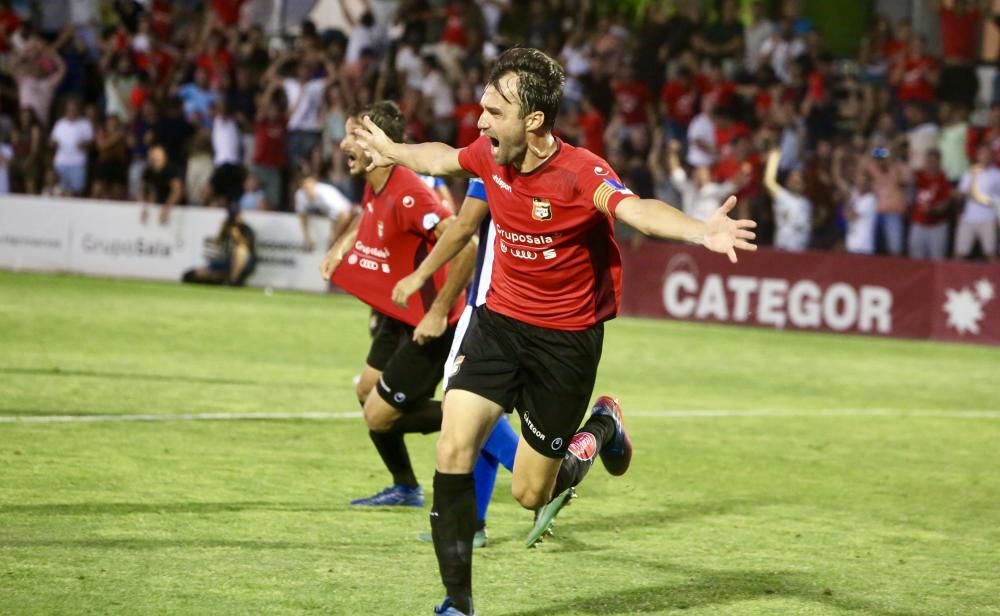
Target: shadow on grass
[[71, 509], [708, 588], [130, 376], [166, 544]]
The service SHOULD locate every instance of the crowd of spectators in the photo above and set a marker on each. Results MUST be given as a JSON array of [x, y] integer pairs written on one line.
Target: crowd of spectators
[[189, 102]]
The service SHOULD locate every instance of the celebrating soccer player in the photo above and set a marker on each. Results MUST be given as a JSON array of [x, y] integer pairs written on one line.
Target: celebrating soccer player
[[557, 278], [401, 220]]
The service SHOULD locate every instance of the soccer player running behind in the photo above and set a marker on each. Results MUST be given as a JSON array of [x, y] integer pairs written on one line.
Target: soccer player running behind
[[401, 220], [557, 277]]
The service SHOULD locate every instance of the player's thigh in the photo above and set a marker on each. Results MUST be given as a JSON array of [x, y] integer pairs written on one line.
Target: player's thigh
[[559, 371], [413, 372], [468, 420], [379, 414], [534, 476], [460, 329], [387, 335]]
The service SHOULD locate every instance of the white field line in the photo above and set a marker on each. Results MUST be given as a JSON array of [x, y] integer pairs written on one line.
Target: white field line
[[662, 414]]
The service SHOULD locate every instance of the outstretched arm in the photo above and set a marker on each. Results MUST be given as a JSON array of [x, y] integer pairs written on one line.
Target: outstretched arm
[[719, 233], [437, 159]]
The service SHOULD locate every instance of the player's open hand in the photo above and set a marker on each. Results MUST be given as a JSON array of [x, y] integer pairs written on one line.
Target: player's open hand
[[375, 143], [725, 235], [430, 327], [405, 288]]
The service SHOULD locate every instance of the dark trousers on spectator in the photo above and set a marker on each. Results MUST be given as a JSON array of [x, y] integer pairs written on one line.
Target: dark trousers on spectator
[[301, 143]]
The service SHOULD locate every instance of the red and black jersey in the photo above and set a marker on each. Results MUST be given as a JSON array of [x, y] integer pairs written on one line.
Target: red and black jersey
[[556, 263], [395, 234]]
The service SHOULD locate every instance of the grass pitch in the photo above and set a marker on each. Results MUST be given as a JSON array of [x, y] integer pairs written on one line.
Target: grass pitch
[[855, 481]]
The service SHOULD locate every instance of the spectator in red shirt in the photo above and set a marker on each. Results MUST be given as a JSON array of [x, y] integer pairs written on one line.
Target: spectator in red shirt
[[467, 113], [633, 99], [679, 103], [592, 124], [988, 135], [10, 21], [714, 86], [270, 145], [959, 21], [929, 216], [916, 77], [227, 12]]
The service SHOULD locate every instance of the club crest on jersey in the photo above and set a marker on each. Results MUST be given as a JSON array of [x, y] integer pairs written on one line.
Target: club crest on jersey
[[381, 230], [541, 209]]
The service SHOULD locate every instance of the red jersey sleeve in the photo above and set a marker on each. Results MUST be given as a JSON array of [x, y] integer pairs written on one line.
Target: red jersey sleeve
[[476, 157], [419, 213], [601, 185]]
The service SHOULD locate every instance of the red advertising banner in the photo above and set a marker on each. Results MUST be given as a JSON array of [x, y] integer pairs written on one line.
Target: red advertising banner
[[836, 292]]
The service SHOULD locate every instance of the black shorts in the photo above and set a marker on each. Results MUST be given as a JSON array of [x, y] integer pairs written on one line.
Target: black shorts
[[410, 371], [547, 374]]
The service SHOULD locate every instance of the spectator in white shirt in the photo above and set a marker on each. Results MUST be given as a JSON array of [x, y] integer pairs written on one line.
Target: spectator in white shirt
[[781, 49], [702, 150], [315, 197], [700, 194], [71, 136], [305, 100], [978, 222], [227, 177], [792, 211], [437, 93], [921, 135], [860, 205], [760, 30]]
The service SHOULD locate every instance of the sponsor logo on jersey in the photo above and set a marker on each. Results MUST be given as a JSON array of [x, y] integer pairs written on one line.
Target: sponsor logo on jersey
[[531, 426], [549, 254], [407, 201], [541, 209], [600, 171], [369, 264], [522, 238], [381, 230], [369, 251], [385, 268], [556, 444], [499, 182], [351, 260]]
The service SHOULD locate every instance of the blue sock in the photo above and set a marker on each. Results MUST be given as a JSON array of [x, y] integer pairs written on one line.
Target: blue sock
[[502, 443], [499, 449], [485, 475]]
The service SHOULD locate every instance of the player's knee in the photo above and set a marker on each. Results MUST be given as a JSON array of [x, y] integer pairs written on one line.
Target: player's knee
[[453, 456], [362, 391], [528, 496], [378, 415]]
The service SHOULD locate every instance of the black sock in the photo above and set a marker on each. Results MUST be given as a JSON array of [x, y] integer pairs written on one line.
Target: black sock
[[424, 418], [453, 525], [392, 449], [602, 427], [584, 447]]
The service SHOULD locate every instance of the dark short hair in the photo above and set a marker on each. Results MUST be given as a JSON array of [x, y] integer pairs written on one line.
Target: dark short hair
[[386, 115], [539, 81]]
